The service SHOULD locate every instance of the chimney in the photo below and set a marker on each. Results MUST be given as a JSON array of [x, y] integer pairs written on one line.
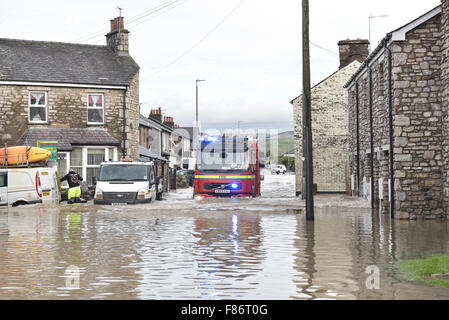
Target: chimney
[[168, 121], [156, 114], [117, 38], [351, 50]]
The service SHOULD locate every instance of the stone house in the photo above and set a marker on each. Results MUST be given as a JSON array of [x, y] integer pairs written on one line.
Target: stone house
[[165, 143], [86, 97], [329, 123], [398, 102]]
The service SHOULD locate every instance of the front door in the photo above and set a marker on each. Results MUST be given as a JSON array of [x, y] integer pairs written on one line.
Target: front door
[[3, 188]]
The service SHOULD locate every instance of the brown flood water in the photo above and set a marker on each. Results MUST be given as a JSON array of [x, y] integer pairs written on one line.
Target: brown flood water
[[215, 250]]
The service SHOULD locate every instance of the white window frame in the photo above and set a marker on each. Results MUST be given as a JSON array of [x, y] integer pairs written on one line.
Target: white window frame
[[95, 108], [37, 106], [106, 157]]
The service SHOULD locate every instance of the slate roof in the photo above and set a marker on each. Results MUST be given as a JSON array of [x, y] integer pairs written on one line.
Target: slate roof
[[145, 153], [149, 122], [39, 61], [68, 137]]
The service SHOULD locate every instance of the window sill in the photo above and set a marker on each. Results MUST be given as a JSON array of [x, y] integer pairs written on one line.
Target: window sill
[[38, 123], [93, 124]]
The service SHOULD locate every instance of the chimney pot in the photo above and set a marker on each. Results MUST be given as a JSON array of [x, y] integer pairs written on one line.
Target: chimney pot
[[118, 41]]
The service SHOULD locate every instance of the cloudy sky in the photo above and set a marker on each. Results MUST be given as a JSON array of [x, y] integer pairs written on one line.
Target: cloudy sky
[[248, 51]]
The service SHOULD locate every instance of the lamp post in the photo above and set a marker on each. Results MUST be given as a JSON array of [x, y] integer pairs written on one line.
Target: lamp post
[[197, 100], [196, 132]]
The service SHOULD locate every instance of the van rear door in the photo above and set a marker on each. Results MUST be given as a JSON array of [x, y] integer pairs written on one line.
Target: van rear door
[[49, 188], [4, 188]]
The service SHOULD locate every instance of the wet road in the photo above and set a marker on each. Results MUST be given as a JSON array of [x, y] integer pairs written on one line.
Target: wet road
[[216, 249]]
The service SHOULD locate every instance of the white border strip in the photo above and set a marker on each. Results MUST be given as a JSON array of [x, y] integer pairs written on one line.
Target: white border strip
[[53, 84], [398, 35]]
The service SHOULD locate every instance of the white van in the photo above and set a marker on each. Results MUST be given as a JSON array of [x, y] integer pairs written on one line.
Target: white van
[[126, 182], [19, 186]]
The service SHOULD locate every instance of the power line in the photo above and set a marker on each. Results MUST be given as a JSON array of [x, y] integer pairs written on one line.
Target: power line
[[165, 10], [197, 43], [175, 4], [146, 13], [324, 49]]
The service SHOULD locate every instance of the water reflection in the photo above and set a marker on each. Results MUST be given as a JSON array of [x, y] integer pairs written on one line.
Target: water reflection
[[139, 253]]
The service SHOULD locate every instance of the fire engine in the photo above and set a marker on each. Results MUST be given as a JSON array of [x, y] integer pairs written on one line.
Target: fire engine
[[227, 167]]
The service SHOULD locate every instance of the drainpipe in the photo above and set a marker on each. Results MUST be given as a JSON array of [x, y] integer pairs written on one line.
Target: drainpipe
[[371, 132], [390, 115], [124, 137], [358, 135]]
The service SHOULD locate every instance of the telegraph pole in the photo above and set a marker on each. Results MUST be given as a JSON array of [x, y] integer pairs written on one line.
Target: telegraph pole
[[306, 113]]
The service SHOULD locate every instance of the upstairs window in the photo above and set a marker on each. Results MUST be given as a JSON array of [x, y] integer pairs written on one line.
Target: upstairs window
[[37, 107], [95, 108]]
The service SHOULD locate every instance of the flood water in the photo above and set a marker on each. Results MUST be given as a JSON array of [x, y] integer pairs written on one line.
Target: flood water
[[217, 249]]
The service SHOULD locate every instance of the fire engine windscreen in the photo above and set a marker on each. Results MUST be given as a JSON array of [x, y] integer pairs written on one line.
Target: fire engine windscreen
[[224, 155]]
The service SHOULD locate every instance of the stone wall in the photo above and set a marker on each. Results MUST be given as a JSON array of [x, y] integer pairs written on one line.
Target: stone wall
[[445, 98], [67, 108], [417, 126], [329, 130], [132, 118]]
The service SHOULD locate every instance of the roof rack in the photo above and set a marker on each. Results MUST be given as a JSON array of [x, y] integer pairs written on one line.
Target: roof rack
[[22, 161]]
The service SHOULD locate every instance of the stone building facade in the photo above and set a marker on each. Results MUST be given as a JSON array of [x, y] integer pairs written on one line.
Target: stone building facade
[[397, 124], [329, 123], [62, 91]]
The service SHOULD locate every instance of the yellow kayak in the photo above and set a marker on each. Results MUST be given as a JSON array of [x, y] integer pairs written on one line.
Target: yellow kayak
[[18, 155]]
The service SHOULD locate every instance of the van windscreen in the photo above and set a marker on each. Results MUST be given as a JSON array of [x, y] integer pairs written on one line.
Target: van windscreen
[[130, 172]]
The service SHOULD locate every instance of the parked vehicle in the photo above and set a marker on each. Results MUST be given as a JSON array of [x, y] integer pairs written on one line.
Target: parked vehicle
[[278, 169], [126, 182], [188, 175], [20, 186], [227, 167]]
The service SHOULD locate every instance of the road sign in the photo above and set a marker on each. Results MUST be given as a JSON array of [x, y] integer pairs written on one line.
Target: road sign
[[51, 146]]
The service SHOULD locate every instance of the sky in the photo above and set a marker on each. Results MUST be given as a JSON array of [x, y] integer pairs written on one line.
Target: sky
[[248, 51]]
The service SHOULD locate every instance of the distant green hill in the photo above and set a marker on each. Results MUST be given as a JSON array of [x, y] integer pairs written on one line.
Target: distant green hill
[[285, 142]]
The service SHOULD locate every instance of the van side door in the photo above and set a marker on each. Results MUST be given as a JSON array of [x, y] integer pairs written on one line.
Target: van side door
[[4, 188]]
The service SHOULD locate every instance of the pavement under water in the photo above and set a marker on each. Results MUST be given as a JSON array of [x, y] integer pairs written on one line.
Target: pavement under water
[[213, 249]]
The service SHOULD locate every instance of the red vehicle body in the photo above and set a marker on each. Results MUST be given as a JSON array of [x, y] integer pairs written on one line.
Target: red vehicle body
[[227, 167]]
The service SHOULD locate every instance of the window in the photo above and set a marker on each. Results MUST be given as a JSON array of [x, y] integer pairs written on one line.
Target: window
[[381, 80], [94, 158], [3, 179], [95, 108], [37, 107], [76, 159], [144, 141], [110, 154]]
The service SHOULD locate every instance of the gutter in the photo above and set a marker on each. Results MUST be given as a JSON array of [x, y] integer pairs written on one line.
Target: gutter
[[371, 133], [357, 135], [124, 136], [390, 116]]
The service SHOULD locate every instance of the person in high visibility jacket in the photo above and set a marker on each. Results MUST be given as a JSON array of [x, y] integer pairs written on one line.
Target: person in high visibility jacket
[[73, 179]]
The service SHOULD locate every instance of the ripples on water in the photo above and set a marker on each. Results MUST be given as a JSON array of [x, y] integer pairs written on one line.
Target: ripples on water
[[251, 249]]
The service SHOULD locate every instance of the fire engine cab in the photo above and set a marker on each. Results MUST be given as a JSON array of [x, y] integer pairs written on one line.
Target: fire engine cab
[[227, 167]]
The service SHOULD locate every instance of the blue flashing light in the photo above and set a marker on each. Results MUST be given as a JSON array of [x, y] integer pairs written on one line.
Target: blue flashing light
[[234, 186], [212, 139]]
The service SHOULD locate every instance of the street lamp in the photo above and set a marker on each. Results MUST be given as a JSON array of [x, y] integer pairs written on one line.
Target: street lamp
[[197, 100]]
